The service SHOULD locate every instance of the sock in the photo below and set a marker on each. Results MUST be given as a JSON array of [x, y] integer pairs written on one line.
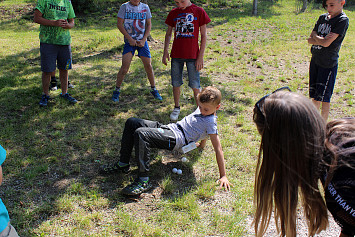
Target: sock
[[152, 88], [178, 107], [118, 88], [53, 79], [144, 179], [121, 164]]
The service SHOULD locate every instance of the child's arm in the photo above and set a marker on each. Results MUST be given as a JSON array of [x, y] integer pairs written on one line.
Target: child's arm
[[199, 61], [220, 161], [120, 26], [148, 27], [323, 41], [166, 45], [38, 18]]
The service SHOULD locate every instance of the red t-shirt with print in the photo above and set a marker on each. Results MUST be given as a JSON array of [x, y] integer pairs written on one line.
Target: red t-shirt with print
[[187, 24]]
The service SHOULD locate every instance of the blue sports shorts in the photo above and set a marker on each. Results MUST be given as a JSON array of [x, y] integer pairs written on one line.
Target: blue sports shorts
[[52, 54], [177, 66], [321, 82], [142, 51]]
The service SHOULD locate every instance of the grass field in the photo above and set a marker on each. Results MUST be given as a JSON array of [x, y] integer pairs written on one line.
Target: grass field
[[51, 185]]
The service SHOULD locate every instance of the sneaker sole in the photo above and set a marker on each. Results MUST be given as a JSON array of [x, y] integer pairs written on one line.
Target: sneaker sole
[[127, 193]]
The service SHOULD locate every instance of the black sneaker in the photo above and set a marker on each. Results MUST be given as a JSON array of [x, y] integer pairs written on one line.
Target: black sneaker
[[44, 100], [69, 98], [114, 168], [137, 187], [53, 84]]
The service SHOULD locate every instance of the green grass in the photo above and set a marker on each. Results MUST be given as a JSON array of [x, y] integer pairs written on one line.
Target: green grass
[[51, 185]]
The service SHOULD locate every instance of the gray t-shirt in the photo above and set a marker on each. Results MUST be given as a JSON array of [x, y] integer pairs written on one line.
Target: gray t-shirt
[[196, 128], [134, 18]]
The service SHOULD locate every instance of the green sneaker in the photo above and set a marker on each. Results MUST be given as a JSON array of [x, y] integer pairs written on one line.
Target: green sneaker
[[114, 168], [137, 187]]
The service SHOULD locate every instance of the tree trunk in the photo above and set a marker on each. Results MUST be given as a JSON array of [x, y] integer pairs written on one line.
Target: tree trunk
[[304, 7], [255, 7]]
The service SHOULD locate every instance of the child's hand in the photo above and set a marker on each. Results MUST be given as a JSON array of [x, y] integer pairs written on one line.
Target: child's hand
[[165, 56], [60, 23], [224, 183], [199, 64], [201, 144], [140, 43], [132, 42]]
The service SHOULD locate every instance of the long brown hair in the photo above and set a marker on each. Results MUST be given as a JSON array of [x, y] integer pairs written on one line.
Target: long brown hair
[[291, 150]]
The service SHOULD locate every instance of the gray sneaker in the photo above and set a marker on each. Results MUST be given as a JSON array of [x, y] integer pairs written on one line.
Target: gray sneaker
[[175, 114]]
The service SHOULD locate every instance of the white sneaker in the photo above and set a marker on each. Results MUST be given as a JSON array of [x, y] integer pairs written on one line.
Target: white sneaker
[[175, 114]]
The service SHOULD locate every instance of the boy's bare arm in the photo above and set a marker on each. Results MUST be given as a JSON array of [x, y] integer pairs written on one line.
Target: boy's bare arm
[[323, 41], [199, 61], [220, 161], [120, 26], [168, 34], [148, 27], [38, 18]]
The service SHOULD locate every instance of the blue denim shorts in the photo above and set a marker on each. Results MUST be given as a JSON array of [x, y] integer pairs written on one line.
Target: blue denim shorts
[[321, 82], [142, 51], [52, 54], [177, 66]]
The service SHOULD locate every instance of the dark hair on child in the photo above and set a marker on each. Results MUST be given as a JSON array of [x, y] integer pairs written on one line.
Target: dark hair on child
[[291, 150], [210, 94]]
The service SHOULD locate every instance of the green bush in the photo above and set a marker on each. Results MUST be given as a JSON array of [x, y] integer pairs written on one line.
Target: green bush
[[85, 6]]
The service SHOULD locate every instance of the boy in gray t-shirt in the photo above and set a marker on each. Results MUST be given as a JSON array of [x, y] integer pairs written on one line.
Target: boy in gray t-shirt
[[134, 22], [144, 135]]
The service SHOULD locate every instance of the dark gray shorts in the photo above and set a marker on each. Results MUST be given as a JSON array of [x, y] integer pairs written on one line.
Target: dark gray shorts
[[53, 55]]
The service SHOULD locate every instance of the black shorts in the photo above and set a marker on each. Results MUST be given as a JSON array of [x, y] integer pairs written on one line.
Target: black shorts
[[321, 82], [52, 55]]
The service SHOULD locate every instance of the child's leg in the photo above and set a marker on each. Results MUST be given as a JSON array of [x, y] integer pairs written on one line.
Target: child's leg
[[145, 56], [159, 136], [149, 70], [127, 142], [325, 110], [126, 62], [46, 79], [63, 77], [316, 103], [177, 66], [194, 78]]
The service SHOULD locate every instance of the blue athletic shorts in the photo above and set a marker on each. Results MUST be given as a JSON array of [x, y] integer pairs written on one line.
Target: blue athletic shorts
[[177, 66], [52, 54], [142, 51], [321, 82]]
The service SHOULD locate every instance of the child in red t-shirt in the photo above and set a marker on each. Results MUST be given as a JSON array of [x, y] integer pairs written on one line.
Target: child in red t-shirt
[[189, 21]]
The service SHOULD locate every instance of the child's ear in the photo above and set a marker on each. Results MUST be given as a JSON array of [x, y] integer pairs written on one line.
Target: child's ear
[[342, 2], [218, 106]]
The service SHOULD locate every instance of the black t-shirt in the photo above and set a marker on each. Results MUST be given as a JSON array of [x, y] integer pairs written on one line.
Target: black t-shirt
[[340, 193], [327, 57]]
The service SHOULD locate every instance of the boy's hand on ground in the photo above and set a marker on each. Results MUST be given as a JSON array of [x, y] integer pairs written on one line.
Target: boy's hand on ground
[[224, 183]]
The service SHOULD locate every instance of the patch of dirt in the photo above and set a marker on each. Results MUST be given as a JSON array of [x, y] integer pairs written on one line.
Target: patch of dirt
[[16, 12]]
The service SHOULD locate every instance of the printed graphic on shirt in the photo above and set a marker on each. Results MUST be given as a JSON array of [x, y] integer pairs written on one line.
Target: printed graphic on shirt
[[184, 25], [135, 23]]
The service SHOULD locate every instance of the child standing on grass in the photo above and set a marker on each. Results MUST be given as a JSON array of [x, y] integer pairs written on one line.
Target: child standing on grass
[[188, 20], [134, 22], [326, 38], [56, 19], [144, 135], [6, 229]]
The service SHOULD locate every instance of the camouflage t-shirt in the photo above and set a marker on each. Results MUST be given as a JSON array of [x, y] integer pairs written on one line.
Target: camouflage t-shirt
[[55, 10]]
